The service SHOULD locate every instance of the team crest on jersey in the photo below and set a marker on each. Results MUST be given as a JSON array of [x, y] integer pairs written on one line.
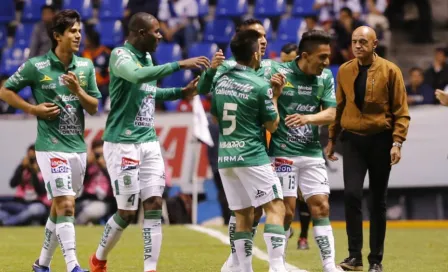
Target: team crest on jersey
[[69, 123], [129, 164], [58, 166], [145, 115], [82, 79]]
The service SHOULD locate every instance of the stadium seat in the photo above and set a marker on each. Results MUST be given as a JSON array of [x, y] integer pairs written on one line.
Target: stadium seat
[[12, 58], [111, 32], [203, 8], [269, 8], [177, 79], [31, 10], [274, 49], [168, 52], [7, 11], [171, 106], [288, 30], [84, 7], [231, 8], [202, 49], [213, 31], [301, 8], [26, 93], [112, 9], [268, 27], [334, 69], [228, 52], [23, 35], [3, 35]]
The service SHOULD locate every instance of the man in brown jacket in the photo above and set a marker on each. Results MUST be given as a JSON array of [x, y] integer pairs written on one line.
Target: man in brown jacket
[[372, 113]]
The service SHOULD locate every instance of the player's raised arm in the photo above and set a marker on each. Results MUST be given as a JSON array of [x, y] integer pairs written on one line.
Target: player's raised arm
[[206, 81], [268, 102], [164, 94]]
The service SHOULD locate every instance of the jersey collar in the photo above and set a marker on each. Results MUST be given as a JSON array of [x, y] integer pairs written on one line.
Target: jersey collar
[[134, 50], [53, 58], [243, 68]]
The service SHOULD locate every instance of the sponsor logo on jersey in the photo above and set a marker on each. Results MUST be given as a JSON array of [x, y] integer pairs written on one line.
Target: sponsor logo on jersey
[[305, 108], [302, 134], [21, 68], [129, 164], [230, 84], [61, 81], [82, 63], [69, 123], [42, 64], [270, 93], [148, 88], [288, 93], [230, 159], [282, 165], [50, 86], [284, 70], [66, 98], [59, 165], [288, 85], [305, 90], [46, 78], [16, 77], [232, 144]]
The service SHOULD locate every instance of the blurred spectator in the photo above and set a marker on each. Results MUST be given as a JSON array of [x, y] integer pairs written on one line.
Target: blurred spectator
[[344, 28], [178, 21], [40, 41], [330, 9], [185, 104], [134, 6], [289, 52], [4, 107], [418, 92], [310, 23], [30, 202], [99, 54], [380, 24], [97, 199], [437, 75]]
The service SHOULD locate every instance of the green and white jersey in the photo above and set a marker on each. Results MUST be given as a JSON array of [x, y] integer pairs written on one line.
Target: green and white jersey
[[242, 103], [302, 94], [133, 92], [43, 75]]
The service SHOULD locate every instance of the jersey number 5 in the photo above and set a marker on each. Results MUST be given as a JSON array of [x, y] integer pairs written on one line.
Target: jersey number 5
[[232, 118]]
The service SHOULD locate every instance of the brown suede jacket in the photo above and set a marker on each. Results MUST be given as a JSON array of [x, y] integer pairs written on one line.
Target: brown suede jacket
[[385, 104]]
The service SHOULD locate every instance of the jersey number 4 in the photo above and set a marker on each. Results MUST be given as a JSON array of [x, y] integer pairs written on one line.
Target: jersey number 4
[[232, 118]]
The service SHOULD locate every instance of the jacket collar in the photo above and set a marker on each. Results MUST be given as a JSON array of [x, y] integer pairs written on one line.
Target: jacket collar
[[375, 64]]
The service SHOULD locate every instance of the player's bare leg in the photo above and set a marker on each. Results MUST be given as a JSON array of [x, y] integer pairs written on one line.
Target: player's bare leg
[[290, 207]]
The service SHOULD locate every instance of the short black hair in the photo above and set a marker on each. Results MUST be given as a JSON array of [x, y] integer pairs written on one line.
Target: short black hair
[[97, 143], [348, 10], [244, 44], [62, 20], [248, 22], [312, 39], [441, 50], [32, 147], [416, 69], [50, 7], [289, 47], [93, 36]]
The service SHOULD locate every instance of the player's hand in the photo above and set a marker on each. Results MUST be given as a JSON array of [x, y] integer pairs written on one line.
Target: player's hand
[[217, 60], [46, 111], [395, 155], [195, 63], [296, 120], [442, 97], [71, 81], [191, 89], [278, 81], [329, 151]]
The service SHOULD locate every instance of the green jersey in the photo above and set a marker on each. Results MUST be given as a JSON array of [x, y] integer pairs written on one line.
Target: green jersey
[[43, 75], [133, 92], [302, 94], [242, 104]]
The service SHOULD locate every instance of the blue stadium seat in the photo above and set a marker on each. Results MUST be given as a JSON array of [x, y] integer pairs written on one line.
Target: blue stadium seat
[[84, 7], [171, 106], [334, 69], [3, 35], [111, 32], [7, 11], [301, 8], [203, 8], [202, 49], [288, 30], [228, 53], [268, 27], [11, 60], [112, 9], [31, 10], [231, 8], [274, 49], [177, 79], [26, 93], [213, 31], [269, 8], [23, 35], [168, 52]]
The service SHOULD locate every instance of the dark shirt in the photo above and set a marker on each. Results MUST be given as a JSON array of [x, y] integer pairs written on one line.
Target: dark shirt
[[360, 86], [424, 94]]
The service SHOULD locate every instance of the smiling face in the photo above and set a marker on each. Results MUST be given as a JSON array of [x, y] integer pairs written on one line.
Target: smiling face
[[318, 59], [70, 39]]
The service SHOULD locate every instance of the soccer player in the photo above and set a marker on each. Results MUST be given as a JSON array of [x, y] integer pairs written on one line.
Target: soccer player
[[307, 101], [64, 86], [243, 102], [131, 148]]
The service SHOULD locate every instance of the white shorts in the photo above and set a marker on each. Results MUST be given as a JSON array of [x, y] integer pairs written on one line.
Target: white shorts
[[136, 171], [305, 173], [63, 173], [250, 186]]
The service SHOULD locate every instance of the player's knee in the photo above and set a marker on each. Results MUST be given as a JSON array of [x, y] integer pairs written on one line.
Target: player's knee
[[153, 203], [258, 213], [289, 214], [65, 206], [275, 207], [127, 216], [320, 208]]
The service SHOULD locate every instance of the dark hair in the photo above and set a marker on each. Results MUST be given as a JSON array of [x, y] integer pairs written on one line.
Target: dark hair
[[415, 69], [244, 44], [31, 148], [93, 36], [312, 16], [97, 143], [50, 7], [441, 50], [311, 39], [62, 20], [248, 22], [348, 10], [289, 47]]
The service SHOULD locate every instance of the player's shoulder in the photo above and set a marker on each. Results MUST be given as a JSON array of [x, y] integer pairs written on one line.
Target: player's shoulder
[[83, 62], [228, 63], [326, 74], [121, 51], [38, 62], [284, 68]]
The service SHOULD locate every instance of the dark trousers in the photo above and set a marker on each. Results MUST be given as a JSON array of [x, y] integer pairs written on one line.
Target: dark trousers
[[361, 154]]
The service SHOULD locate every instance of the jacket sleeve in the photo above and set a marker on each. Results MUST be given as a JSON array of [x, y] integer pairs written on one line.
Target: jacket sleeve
[[335, 128], [398, 105]]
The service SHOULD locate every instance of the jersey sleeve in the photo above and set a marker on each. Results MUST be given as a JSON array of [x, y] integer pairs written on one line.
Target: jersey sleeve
[[265, 105], [92, 87], [209, 77], [163, 94], [24, 76], [122, 64], [214, 110], [329, 95]]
